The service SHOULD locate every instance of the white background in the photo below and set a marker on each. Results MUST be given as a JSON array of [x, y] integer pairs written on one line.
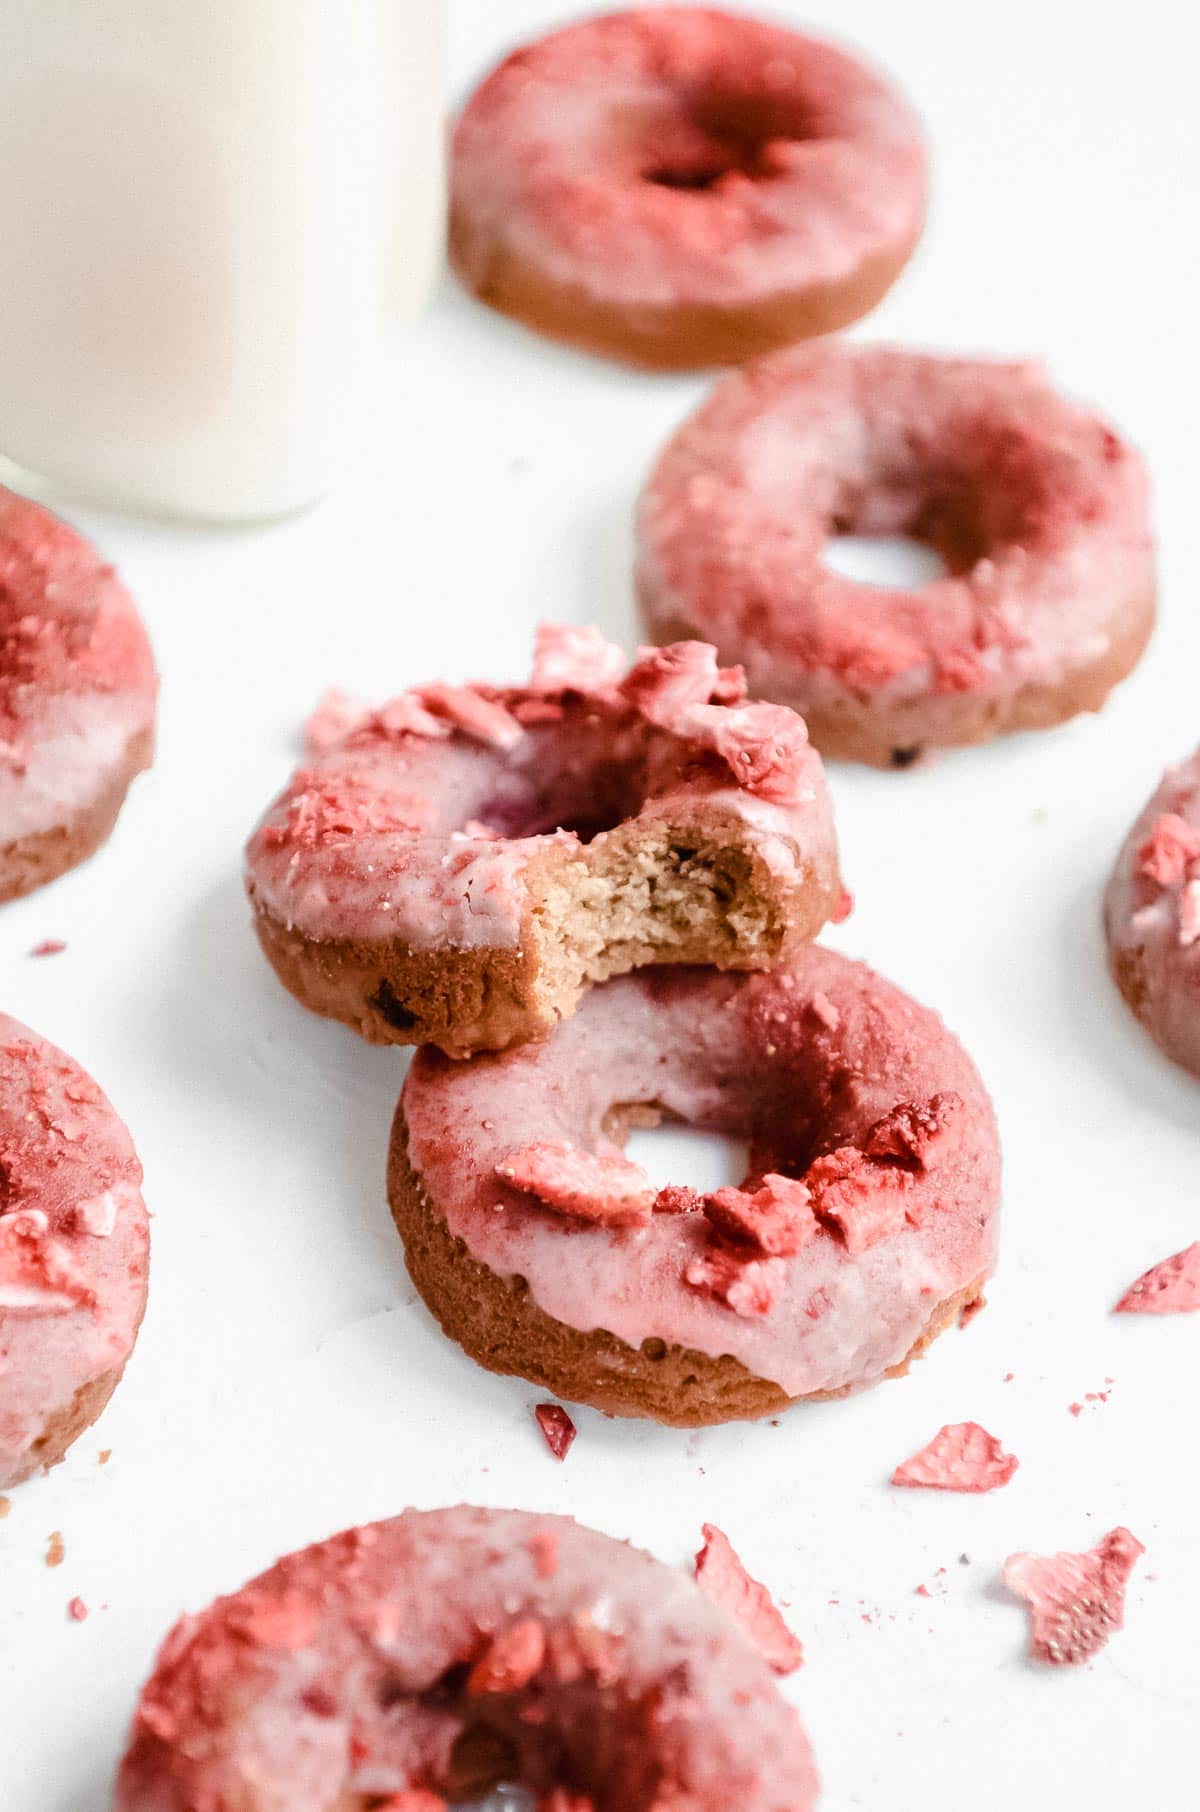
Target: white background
[[287, 1383]]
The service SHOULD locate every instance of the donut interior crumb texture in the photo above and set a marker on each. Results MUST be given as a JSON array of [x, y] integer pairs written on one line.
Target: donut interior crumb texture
[[635, 895]]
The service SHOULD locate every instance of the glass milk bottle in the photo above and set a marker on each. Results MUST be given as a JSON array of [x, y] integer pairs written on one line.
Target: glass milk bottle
[[214, 216]]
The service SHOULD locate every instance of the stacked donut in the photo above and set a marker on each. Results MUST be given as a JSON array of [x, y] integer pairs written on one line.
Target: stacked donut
[[591, 900]]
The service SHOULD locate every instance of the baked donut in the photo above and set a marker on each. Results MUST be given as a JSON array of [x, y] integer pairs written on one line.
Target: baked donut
[[679, 187], [1038, 508], [445, 1652], [77, 697], [458, 866], [1152, 916], [74, 1252], [866, 1226]]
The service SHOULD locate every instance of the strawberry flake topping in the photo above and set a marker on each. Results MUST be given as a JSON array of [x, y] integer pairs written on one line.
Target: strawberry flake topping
[[37, 1271], [571, 658], [510, 1660], [749, 1286], [775, 1220], [1076, 1601], [723, 1578], [557, 1427], [334, 717], [607, 1189], [484, 719], [49, 946], [962, 1456], [1170, 851], [1169, 1288]]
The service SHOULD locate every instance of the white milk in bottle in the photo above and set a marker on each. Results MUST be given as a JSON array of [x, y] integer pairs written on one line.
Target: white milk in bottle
[[213, 217]]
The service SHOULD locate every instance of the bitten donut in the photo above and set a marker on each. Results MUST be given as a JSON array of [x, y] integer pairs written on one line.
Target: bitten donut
[[458, 866], [866, 1226], [1038, 508], [446, 1652], [681, 187], [1152, 916], [77, 697], [74, 1252]]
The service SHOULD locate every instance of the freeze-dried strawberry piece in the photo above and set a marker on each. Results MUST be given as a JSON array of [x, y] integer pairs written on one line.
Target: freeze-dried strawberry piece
[[468, 710], [335, 715], [405, 715], [749, 1286], [557, 1427], [913, 1134], [1169, 1288], [723, 1578], [863, 1200], [543, 1545], [287, 1623], [510, 1660], [1170, 849], [611, 1189], [764, 746], [573, 658], [37, 1271], [49, 946], [775, 1219], [1075, 1601], [666, 684], [678, 1198], [962, 1456]]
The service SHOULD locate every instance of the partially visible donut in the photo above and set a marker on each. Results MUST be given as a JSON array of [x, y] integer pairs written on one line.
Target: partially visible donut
[[1152, 915], [458, 866], [867, 1225], [77, 697], [448, 1651], [1037, 506], [680, 186], [74, 1252]]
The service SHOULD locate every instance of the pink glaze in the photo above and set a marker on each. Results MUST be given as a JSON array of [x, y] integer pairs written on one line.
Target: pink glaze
[[77, 679], [607, 156], [340, 1672], [419, 820], [742, 1055], [1152, 912], [74, 1239], [737, 513]]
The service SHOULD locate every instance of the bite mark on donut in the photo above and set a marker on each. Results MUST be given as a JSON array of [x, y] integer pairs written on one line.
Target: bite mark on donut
[[722, 1577]]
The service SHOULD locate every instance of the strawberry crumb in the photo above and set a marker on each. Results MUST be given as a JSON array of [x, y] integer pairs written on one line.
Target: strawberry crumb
[[5, 1507], [510, 1660], [721, 1575], [77, 1610], [104, 1456], [1076, 1601], [1169, 1288], [557, 1427], [56, 1547], [961, 1457], [49, 946]]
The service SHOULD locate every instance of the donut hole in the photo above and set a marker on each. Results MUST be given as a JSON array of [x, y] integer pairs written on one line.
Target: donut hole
[[718, 134], [890, 562], [673, 1152]]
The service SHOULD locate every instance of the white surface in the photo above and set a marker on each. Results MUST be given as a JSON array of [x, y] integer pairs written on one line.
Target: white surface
[[213, 216], [287, 1383]]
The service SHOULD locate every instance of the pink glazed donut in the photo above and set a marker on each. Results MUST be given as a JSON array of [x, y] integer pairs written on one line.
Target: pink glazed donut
[[445, 1652], [77, 697], [1038, 508], [74, 1252], [458, 866], [1152, 916], [682, 187], [866, 1226]]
